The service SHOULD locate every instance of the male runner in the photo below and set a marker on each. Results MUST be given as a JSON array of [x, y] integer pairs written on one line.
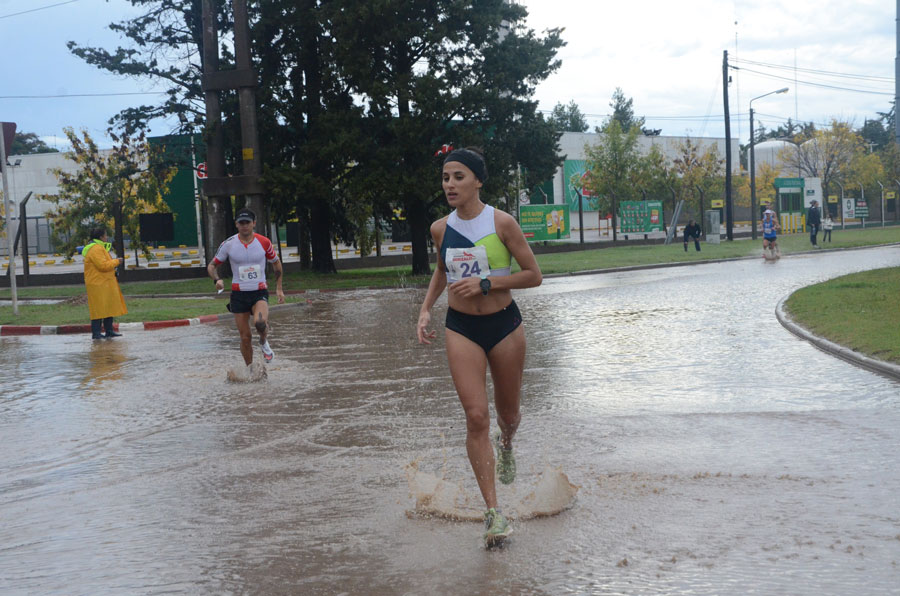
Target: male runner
[[248, 254], [770, 228]]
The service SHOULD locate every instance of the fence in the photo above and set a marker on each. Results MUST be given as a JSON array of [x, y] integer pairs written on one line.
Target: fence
[[39, 240]]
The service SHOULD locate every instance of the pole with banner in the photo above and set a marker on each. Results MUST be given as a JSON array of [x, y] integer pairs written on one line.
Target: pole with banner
[[844, 206], [580, 216], [199, 171], [7, 133], [891, 195], [862, 208]]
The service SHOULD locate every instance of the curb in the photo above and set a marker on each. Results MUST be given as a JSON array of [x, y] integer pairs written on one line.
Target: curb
[[894, 371], [11, 330], [844, 353]]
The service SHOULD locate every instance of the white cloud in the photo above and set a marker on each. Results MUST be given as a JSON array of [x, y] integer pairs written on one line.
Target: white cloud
[[668, 57], [59, 143]]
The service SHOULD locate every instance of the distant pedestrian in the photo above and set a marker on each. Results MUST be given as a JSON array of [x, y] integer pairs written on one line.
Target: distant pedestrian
[[814, 221], [105, 299], [827, 226], [692, 230]]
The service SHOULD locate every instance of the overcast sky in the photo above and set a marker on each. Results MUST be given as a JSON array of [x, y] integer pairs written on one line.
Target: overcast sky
[[667, 56]]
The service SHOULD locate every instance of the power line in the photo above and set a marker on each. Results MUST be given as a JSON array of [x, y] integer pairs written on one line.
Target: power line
[[15, 14], [815, 71], [81, 95], [811, 84], [695, 118], [798, 123], [820, 80]]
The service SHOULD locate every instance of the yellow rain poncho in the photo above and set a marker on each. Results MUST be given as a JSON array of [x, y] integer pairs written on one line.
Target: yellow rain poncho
[[104, 296]]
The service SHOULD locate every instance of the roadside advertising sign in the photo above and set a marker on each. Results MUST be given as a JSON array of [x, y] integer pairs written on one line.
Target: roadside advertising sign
[[640, 216], [544, 222], [849, 207], [574, 173], [862, 208]]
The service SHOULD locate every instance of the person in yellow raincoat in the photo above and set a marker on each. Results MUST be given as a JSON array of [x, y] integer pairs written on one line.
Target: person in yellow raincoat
[[105, 299]]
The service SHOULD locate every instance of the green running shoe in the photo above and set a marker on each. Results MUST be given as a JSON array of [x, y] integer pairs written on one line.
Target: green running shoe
[[506, 462], [498, 529]]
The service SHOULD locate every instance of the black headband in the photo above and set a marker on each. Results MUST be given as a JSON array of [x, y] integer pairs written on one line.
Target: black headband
[[471, 160]]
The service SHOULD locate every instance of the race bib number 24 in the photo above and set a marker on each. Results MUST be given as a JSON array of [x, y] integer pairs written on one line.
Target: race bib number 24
[[467, 262]]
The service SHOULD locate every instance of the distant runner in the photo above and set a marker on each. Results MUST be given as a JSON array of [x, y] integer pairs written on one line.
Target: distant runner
[[770, 228], [248, 254]]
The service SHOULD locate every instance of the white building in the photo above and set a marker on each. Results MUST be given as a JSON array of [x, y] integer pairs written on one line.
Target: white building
[[771, 154], [34, 174], [572, 145]]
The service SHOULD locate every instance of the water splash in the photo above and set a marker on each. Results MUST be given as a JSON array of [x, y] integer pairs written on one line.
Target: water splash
[[437, 496], [255, 373]]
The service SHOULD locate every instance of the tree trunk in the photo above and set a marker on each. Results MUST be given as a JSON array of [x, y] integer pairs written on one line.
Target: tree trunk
[[303, 238], [415, 204], [216, 220], [614, 218], [377, 236], [119, 235], [320, 213], [320, 234], [417, 217]]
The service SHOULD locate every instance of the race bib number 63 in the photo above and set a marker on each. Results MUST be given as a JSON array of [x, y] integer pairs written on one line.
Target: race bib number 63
[[249, 273]]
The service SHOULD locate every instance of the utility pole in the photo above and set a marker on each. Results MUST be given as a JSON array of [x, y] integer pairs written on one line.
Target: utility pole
[[218, 187], [751, 160], [729, 225], [217, 203], [8, 129], [200, 244], [897, 75], [252, 164]]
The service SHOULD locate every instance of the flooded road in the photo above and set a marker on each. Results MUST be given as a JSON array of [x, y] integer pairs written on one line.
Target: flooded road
[[715, 452]]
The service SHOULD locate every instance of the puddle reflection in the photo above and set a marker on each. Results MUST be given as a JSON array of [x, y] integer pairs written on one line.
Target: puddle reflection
[[706, 457]]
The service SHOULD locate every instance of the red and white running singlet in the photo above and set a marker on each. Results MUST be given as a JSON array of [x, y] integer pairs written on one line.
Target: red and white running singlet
[[248, 261]]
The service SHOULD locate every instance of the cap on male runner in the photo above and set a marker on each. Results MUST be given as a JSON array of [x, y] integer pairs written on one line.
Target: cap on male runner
[[245, 215]]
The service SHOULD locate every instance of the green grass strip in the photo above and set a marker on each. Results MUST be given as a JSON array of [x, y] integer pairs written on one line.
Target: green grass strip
[[160, 309], [860, 311]]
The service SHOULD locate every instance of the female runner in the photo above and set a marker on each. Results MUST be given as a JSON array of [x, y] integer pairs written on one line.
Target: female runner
[[484, 326]]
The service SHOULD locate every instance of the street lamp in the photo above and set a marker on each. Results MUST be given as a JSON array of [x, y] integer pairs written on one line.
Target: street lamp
[[753, 163]]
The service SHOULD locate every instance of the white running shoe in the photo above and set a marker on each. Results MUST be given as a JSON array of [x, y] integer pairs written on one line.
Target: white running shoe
[[268, 354]]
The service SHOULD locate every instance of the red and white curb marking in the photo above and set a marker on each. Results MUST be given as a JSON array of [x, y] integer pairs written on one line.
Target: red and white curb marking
[[7, 330]]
